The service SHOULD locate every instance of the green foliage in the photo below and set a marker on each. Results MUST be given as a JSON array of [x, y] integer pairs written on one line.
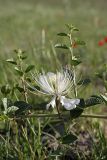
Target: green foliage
[[79, 42], [93, 100], [84, 81], [18, 71], [29, 68], [70, 138], [62, 34], [5, 90], [62, 46], [12, 61], [71, 28], [75, 61], [27, 139], [22, 107]]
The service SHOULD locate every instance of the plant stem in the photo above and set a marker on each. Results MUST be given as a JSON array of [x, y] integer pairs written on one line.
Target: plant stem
[[74, 72], [66, 115], [24, 88], [23, 79], [58, 106]]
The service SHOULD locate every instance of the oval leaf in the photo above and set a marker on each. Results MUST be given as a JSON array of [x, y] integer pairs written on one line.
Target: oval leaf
[[75, 62], [63, 46], [12, 109], [84, 82], [70, 138], [23, 107], [93, 100], [11, 60], [62, 34], [79, 42], [5, 89], [18, 71], [29, 68]]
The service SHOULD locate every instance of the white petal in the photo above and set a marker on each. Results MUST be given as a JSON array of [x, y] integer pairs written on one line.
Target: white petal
[[69, 103], [52, 103]]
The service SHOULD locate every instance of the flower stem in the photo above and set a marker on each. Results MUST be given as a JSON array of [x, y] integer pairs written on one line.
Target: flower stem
[[58, 106]]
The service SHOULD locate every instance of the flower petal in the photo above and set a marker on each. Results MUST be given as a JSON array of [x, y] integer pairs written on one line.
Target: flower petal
[[52, 103], [69, 104]]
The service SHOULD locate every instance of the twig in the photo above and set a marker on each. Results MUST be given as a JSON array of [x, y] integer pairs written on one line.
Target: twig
[[66, 116]]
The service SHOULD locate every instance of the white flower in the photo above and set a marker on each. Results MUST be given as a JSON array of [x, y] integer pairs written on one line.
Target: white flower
[[57, 85]]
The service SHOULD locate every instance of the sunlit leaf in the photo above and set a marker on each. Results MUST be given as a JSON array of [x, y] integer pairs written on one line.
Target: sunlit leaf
[[75, 61], [3, 117], [5, 103], [11, 60], [63, 46], [104, 98], [12, 109], [18, 71], [71, 27], [56, 153]]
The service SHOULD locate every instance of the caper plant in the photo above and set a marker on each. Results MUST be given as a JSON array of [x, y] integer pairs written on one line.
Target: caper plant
[[58, 86]]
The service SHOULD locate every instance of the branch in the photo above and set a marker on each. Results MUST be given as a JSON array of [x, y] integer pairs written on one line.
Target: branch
[[65, 116]]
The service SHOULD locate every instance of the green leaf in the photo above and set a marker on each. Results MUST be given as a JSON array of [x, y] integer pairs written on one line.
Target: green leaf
[[76, 112], [104, 98], [12, 109], [56, 153], [93, 100], [20, 89], [29, 68], [3, 117], [23, 57], [18, 71], [5, 103], [72, 28], [62, 34], [5, 89], [84, 82], [70, 138], [75, 61], [79, 42], [11, 60], [23, 107], [63, 46]]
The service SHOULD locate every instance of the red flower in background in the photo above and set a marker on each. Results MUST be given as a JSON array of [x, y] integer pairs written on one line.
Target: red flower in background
[[101, 43], [105, 39]]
